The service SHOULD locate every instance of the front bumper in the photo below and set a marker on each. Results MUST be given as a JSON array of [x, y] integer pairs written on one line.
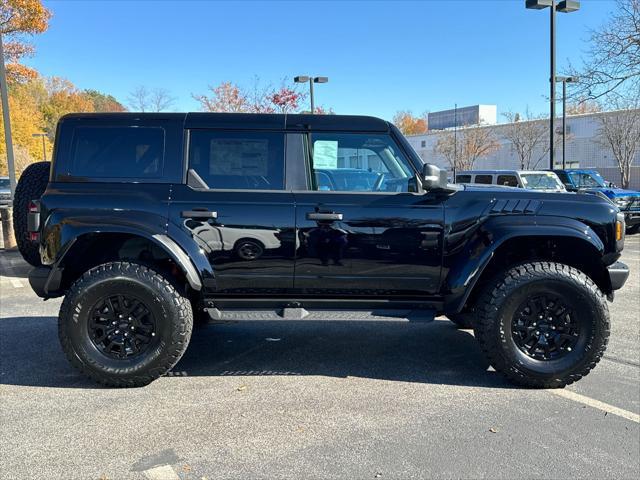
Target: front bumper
[[45, 281], [631, 219], [618, 274]]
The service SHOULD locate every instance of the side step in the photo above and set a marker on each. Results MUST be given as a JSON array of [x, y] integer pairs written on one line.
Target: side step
[[299, 313]]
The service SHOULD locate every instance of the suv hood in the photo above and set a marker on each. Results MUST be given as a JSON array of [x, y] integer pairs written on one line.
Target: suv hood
[[615, 192]]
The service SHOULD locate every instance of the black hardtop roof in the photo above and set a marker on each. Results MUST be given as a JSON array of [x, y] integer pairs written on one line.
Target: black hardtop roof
[[240, 121]]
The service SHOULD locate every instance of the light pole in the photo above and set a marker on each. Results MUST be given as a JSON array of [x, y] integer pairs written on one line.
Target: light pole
[[311, 80], [564, 6], [455, 141], [564, 81], [4, 93], [44, 149]]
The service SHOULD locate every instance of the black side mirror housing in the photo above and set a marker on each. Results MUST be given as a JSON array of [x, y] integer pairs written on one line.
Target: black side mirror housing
[[433, 178]]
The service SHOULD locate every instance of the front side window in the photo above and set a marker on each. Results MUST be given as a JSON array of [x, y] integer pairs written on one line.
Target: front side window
[[348, 162], [118, 152], [507, 180], [463, 178], [238, 160], [484, 179], [587, 180]]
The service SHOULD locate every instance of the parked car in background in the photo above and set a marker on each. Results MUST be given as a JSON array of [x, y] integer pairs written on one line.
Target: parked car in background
[[529, 179], [590, 181], [5, 191]]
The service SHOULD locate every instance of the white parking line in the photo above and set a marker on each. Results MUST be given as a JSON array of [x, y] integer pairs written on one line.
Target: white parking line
[[605, 407], [164, 472]]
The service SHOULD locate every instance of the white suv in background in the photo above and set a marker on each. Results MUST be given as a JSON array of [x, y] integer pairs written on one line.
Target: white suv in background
[[528, 179]]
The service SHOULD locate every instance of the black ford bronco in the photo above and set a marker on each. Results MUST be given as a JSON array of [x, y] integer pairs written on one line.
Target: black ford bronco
[[145, 222]]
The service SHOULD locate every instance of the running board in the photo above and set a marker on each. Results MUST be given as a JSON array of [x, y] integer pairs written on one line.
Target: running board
[[299, 313]]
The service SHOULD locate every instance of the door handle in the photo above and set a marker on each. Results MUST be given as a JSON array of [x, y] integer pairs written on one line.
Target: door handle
[[198, 214], [324, 216]]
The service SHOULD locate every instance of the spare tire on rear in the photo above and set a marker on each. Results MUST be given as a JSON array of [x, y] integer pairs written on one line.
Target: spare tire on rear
[[31, 186]]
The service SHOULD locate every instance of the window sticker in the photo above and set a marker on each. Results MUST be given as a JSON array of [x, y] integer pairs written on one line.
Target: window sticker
[[325, 154]]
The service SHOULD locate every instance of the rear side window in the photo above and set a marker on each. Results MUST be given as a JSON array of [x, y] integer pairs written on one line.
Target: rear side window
[[118, 152], [507, 180], [484, 179], [463, 178], [238, 160]]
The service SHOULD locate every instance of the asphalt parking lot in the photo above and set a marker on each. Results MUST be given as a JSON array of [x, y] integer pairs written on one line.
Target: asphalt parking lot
[[341, 399]]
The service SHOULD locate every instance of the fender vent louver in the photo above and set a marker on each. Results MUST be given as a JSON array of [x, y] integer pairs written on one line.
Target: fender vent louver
[[527, 207]]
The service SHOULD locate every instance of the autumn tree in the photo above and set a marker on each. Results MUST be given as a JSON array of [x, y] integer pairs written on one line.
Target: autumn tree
[[26, 119], [620, 131], [462, 148], [612, 62], [285, 100], [103, 102], [63, 97], [143, 99], [410, 124], [226, 97], [529, 138], [20, 19]]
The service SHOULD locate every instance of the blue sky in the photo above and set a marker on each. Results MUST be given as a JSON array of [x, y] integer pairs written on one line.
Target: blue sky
[[380, 56]]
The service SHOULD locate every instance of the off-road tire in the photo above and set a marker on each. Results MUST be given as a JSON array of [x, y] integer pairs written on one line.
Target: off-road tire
[[463, 320], [173, 315], [497, 304], [31, 186]]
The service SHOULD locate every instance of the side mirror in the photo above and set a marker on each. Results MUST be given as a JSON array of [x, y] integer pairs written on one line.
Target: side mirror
[[611, 185], [433, 178]]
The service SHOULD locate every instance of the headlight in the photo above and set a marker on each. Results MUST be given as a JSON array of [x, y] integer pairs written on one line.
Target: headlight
[[622, 202]]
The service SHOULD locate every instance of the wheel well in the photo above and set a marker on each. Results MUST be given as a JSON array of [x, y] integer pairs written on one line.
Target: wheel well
[[93, 249], [567, 250]]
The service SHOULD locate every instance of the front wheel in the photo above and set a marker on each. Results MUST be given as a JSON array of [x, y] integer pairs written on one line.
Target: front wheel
[[124, 325], [543, 324]]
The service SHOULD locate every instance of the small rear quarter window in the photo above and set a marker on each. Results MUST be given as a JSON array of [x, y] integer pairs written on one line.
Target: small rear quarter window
[[507, 180], [484, 179], [135, 153]]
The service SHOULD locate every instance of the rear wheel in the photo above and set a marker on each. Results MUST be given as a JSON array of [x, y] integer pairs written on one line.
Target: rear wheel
[[543, 324], [124, 325], [31, 186]]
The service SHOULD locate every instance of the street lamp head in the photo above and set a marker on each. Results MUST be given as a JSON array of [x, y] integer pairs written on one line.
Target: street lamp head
[[568, 6], [321, 79], [301, 79], [538, 4], [38, 134]]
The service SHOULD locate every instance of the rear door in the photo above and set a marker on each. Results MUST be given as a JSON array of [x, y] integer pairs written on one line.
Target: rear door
[[234, 205], [361, 230]]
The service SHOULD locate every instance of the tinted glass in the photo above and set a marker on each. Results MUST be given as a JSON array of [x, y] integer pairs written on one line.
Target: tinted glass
[[463, 178], [238, 160], [348, 162], [4, 183], [507, 180], [587, 180], [485, 179], [118, 152]]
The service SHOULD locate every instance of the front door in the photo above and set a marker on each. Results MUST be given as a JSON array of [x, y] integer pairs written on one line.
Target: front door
[[235, 207], [361, 230]]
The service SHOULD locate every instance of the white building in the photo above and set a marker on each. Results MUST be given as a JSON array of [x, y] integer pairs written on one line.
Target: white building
[[458, 117], [584, 150]]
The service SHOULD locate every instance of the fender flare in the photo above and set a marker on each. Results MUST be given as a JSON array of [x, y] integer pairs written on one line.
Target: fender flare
[[66, 234], [469, 264]]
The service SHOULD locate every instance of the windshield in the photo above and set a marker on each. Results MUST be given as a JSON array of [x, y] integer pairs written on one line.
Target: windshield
[[4, 183], [541, 181], [587, 180]]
